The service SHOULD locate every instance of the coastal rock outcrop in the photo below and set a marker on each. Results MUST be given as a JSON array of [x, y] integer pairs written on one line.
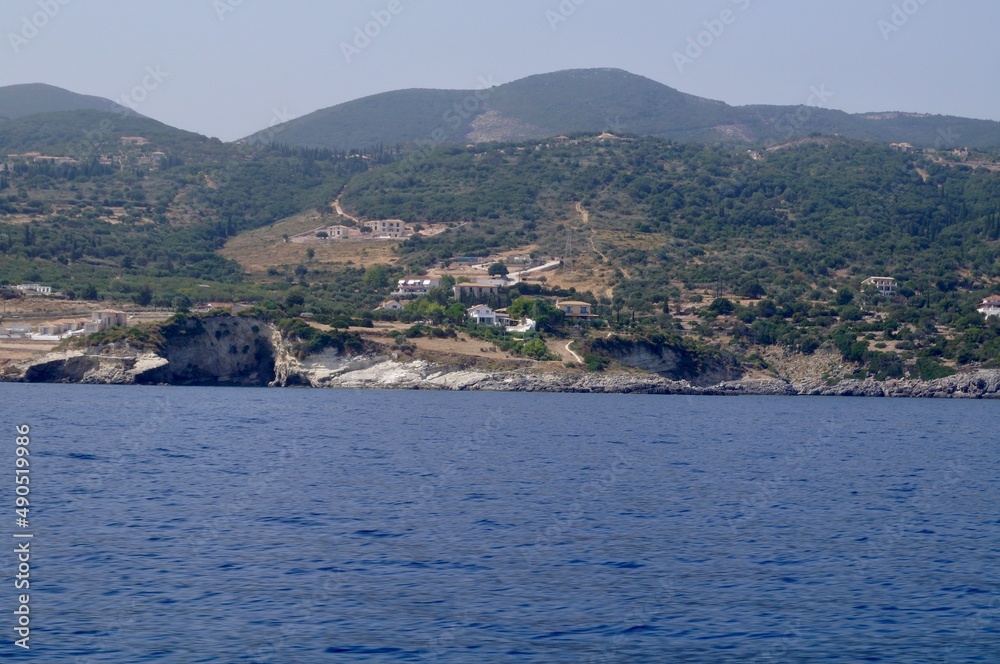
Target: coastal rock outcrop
[[218, 350], [116, 364], [669, 358], [984, 383], [236, 350]]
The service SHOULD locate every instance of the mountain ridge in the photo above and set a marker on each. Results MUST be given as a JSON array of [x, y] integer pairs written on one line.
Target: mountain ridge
[[589, 100], [26, 99], [552, 104]]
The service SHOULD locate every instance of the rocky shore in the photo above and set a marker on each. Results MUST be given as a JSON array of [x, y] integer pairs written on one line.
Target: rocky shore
[[381, 372], [122, 365]]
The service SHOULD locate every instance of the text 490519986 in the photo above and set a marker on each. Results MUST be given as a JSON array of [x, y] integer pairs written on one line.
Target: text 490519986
[[22, 547]]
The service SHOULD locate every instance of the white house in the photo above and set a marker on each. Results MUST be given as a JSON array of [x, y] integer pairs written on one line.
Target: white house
[[482, 315], [415, 286], [389, 305], [19, 330], [102, 320], [388, 227], [990, 306], [884, 285], [525, 325], [325, 234], [34, 287]]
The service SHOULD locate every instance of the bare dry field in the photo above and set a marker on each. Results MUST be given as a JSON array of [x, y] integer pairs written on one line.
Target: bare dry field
[[260, 249], [463, 348], [17, 350], [462, 345], [36, 306]]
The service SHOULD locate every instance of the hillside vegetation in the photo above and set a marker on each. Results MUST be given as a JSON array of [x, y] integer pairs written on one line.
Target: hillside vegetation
[[96, 227], [734, 249], [765, 247]]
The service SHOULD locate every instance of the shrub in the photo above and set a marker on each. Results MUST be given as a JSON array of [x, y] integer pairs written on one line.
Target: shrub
[[596, 362]]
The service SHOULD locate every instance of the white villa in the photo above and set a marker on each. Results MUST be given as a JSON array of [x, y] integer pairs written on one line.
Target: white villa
[[415, 286], [102, 320], [884, 285], [33, 287], [388, 228], [990, 306], [482, 315]]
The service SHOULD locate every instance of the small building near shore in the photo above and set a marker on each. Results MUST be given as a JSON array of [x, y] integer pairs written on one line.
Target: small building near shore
[[102, 320]]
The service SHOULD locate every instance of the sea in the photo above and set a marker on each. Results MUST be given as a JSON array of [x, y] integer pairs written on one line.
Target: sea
[[204, 524]]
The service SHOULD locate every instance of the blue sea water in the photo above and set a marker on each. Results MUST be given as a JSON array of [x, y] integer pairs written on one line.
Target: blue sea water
[[264, 525]]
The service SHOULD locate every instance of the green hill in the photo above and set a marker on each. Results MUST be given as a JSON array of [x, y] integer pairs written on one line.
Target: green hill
[[685, 212], [17, 101], [780, 236], [595, 100], [84, 132]]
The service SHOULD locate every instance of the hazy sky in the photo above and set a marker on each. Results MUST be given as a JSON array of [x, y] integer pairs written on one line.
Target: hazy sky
[[227, 68]]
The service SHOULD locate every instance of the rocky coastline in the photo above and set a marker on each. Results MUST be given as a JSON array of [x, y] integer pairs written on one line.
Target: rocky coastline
[[120, 364]]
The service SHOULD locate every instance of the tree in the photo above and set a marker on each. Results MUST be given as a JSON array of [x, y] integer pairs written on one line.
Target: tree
[[376, 276], [498, 270], [182, 303], [753, 290], [844, 296], [145, 296], [721, 306], [310, 253], [455, 313], [546, 316]]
